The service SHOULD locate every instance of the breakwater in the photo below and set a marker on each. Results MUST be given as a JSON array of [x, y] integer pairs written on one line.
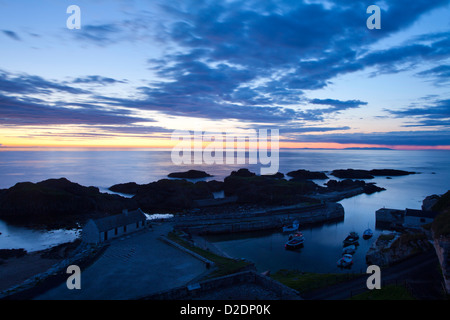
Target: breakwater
[[266, 219]]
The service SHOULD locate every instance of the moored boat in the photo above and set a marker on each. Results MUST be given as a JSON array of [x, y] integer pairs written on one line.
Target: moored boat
[[345, 261], [368, 233], [295, 241], [352, 239], [351, 249], [294, 227]]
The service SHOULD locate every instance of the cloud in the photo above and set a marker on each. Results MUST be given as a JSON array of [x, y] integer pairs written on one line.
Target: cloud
[[262, 57], [30, 84], [436, 113], [251, 61], [96, 79], [25, 111], [101, 34], [12, 35], [394, 138], [440, 75], [339, 105]]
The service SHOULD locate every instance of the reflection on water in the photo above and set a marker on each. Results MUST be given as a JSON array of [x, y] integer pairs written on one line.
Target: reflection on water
[[321, 250], [12, 237]]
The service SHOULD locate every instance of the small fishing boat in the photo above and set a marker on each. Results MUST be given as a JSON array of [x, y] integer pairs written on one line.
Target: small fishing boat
[[354, 235], [368, 233], [352, 239], [346, 261], [291, 228], [351, 249], [295, 241]]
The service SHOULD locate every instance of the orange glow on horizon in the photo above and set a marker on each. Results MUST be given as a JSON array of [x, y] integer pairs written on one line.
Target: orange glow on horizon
[[167, 144]]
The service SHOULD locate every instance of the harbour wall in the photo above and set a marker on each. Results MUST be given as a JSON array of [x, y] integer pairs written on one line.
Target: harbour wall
[[274, 219]]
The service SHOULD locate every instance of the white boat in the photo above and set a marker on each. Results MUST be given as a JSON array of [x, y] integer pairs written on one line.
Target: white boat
[[345, 261], [295, 241], [291, 228], [368, 233]]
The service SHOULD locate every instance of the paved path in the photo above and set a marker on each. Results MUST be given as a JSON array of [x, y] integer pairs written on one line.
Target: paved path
[[133, 267]]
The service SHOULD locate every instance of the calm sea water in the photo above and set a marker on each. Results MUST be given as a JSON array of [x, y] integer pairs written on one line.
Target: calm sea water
[[323, 245]]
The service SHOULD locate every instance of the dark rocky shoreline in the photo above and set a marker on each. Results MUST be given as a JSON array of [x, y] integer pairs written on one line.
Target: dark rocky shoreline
[[60, 203]]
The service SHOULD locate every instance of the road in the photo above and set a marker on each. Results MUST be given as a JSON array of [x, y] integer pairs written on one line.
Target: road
[[132, 267]]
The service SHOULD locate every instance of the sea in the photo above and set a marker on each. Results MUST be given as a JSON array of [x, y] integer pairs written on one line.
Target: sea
[[323, 243]]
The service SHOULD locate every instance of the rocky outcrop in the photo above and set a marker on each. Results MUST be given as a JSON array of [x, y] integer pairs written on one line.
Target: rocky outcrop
[[391, 248], [441, 235], [429, 202], [390, 172], [171, 195], [250, 188], [126, 188], [244, 173], [305, 174], [191, 174], [277, 175], [57, 202], [352, 174], [368, 174], [349, 184]]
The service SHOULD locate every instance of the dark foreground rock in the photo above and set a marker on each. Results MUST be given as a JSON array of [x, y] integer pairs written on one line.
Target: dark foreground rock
[[191, 174], [57, 202]]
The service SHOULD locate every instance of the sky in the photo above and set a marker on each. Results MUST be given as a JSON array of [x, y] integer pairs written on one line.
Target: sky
[[136, 71]]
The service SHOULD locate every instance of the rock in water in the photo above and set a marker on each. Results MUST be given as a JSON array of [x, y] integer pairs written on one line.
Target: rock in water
[[305, 174], [191, 174]]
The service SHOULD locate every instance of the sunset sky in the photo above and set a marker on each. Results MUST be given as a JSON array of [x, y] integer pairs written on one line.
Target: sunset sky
[[138, 70]]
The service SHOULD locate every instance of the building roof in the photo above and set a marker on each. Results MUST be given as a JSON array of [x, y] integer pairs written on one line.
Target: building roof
[[119, 220]]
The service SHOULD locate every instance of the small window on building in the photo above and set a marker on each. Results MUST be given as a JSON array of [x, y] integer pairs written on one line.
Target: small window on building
[[106, 235], [422, 219], [137, 224], [143, 223], [124, 228], [116, 231]]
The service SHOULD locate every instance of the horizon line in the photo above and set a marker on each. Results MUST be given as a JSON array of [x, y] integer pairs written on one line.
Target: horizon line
[[337, 146]]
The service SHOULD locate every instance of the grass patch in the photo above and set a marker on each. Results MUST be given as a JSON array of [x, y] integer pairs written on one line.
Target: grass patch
[[307, 281], [224, 266], [390, 292]]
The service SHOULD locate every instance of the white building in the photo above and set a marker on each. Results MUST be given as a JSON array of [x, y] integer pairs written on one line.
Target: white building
[[104, 229]]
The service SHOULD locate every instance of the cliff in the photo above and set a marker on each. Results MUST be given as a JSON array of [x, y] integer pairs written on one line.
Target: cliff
[[441, 235], [391, 248]]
